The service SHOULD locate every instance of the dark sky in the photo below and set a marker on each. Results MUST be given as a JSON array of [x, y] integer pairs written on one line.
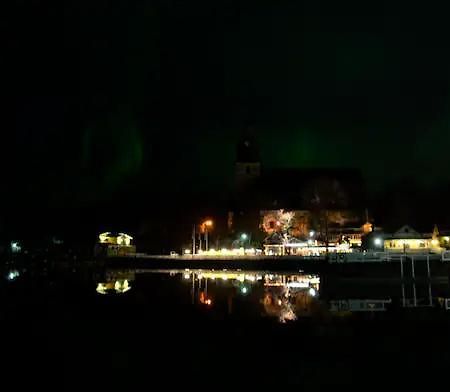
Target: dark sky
[[102, 98]]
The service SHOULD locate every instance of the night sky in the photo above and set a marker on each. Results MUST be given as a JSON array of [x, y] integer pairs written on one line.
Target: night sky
[[104, 99]]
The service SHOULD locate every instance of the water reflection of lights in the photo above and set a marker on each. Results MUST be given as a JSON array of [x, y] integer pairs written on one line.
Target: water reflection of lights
[[297, 284], [227, 275], [101, 288], [284, 296], [294, 281], [12, 275], [118, 286], [288, 281], [288, 296], [204, 299]]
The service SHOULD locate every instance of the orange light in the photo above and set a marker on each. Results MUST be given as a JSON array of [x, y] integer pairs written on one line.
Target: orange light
[[205, 225]]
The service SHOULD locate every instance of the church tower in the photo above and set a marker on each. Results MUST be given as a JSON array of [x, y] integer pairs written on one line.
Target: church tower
[[248, 165]]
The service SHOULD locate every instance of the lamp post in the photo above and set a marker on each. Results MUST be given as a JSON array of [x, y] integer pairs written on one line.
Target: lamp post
[[244, 237], [193, 239], [205, 225]]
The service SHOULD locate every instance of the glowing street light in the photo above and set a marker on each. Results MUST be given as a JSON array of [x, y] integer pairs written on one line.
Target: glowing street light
[[208, 223], [377, 241], [205, 225], [244, 236]]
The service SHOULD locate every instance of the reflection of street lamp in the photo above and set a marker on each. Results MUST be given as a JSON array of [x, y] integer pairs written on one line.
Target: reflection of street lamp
[[205, 225], [15, 247]]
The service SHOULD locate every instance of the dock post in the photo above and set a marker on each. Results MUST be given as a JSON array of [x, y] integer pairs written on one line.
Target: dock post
[[414, 281], [193, 239], [403, 295], [403, 284], [193, 288], [401, 267], [430, 297]]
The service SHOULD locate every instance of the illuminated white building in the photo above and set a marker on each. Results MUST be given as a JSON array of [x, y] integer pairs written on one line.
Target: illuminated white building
[[111, 244]]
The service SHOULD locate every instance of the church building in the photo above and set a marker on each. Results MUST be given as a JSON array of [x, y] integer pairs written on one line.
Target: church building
[[289, 204]]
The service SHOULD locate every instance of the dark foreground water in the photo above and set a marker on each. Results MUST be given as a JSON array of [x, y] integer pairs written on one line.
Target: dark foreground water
[[142, 330]]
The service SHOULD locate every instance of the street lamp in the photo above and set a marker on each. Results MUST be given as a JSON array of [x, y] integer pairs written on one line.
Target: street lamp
[[205, 225], [244, 237], [377, 241]]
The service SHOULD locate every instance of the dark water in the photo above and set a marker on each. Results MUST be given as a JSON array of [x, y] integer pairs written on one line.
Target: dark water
[[119, 329]]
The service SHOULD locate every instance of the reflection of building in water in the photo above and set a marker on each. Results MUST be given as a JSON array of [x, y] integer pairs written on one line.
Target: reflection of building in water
[[290, 296], [359, 305], [202, 280], [284, 296], [116, 282], [111, 244], [293, 281]]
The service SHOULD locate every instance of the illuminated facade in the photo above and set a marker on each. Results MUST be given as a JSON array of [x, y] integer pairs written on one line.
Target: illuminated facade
[[408, 240], [298, 233], [111, 244], [115, 282]]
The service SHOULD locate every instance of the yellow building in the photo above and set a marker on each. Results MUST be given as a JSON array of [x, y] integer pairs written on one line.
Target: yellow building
[[408, 240], [115, 244]]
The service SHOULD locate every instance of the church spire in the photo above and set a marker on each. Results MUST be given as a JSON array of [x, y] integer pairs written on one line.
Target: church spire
[[248, 166], [247, 149]]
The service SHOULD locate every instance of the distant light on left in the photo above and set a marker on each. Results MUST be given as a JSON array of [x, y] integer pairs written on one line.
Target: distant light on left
[[12, 275], [15, 247]]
